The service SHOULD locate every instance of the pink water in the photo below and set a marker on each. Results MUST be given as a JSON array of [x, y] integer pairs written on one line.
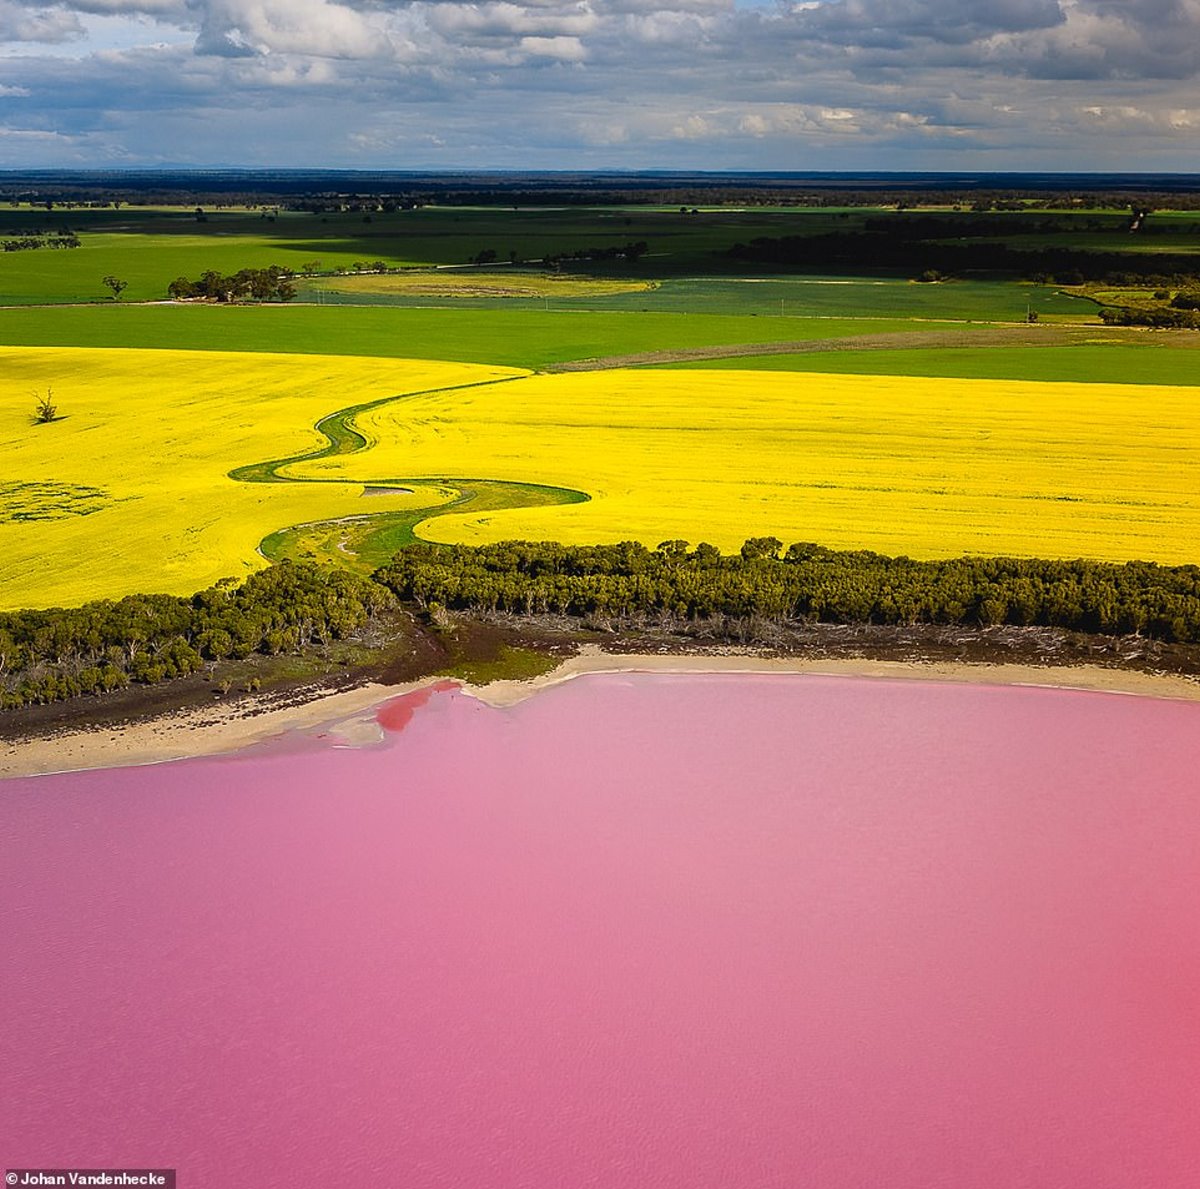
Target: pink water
[[636, 933]]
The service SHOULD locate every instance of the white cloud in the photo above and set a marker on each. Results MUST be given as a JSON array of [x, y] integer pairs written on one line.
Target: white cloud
[[506, 20], [637, 82], [20, 23], [318, 28], [560, 49]]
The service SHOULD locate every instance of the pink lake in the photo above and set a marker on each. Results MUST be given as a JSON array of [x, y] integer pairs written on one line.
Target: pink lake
[[642, 932]]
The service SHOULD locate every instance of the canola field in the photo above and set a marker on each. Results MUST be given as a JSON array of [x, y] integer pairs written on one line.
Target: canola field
[[129, 491], [902, 465]]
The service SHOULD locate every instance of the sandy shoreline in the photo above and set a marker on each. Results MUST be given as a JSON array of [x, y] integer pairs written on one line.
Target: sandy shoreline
[[222, 729]]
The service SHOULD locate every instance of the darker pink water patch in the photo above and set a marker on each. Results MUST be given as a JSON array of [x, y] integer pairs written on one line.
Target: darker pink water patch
[[639, 933], [396, 713]]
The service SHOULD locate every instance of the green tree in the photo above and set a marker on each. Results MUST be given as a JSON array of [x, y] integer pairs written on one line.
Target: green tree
[[757, 547]]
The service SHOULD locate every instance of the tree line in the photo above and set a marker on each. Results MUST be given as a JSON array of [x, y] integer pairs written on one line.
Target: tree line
[[52, 655], [1158, 317], [632, 252], [935, 226], [49, 656], [805, 583], [33, 241], [274, 283], [332, 190], [896, 250]]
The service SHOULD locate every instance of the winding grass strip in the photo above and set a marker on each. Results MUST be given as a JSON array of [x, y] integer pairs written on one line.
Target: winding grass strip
[[363, 543]]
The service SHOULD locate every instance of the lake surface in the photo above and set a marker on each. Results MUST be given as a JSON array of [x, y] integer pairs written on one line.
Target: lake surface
[[639, 932]]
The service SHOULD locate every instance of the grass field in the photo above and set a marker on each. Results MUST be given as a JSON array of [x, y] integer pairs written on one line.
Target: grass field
[[893, 464], [149, 263], [130, 491], [510, 337], [1184, 238], [534, 338], [149, 248], [860, 297], [1150, 362], [830, 297]]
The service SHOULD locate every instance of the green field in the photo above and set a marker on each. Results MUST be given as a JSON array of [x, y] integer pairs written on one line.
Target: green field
[[1182, 238], [148, 263], [512, 337], [794, 297], [1116, 364], [150, 248]]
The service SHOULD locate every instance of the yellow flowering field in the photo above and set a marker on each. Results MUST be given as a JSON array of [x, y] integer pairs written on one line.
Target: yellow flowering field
[[129, 490], [925, 467]]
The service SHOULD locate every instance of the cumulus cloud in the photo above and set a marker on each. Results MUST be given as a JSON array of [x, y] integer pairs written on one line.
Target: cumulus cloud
[[558, 49], [20, 23], [1142, 39], [318, 28], [897, 23]]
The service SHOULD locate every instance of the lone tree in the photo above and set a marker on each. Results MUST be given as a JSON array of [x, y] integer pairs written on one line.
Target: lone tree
[[117, 286], [46, 410]]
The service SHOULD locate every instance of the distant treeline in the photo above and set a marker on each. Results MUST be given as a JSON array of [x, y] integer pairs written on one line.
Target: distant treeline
[[806, 583], [31, 241], [48, 656], [1179, 312], [250, 284], [938, 225], [716, 192], [1159, 317], [632, 252], [333, 190], [893, 249]]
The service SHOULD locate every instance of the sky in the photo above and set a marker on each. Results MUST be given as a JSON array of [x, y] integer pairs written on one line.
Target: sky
[[1026, 85]]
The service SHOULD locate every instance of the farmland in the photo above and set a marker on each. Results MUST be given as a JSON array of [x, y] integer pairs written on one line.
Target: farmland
[[129, 491], [834, 298], [508, 337], [514, 284], [203, 440], [150, 248], [891, 464], [1123, 362], [132, 488]]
